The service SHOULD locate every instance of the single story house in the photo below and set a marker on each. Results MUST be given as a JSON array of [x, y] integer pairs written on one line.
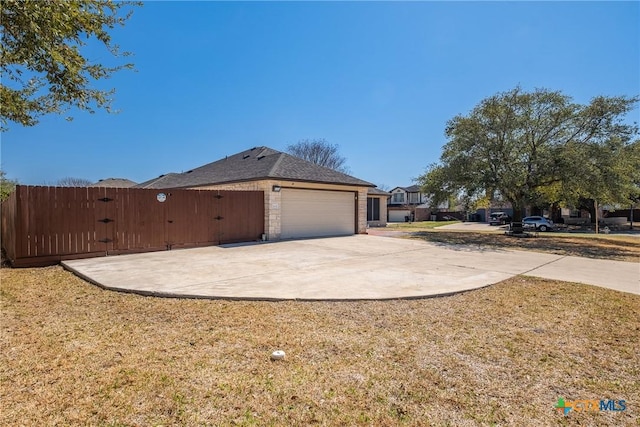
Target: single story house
[[114, 183], [301, 199]]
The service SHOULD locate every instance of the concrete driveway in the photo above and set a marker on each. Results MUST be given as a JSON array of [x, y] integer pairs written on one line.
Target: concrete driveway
[[339, 268]]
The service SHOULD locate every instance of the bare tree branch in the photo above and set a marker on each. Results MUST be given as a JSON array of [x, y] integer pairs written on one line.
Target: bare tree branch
[[320, 152], [73, 182]]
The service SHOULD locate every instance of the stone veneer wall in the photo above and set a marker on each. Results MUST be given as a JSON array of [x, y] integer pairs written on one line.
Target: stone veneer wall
[[362, 210]]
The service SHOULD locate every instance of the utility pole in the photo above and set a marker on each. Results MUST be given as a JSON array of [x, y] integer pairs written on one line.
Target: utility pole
[[595, 202]]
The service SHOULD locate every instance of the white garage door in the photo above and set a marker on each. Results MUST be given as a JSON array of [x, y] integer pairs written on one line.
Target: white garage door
[[398, 216], [316, 213]]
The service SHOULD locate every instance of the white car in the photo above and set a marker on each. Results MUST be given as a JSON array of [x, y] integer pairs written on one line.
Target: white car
[[540, 223]]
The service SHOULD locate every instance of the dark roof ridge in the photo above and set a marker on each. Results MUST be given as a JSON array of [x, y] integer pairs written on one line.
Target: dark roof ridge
[[276, 165]]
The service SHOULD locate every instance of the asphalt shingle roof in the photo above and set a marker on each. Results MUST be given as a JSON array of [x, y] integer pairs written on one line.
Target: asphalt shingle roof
[[378, 192], [254, 164], [159, 182], [411, 189]]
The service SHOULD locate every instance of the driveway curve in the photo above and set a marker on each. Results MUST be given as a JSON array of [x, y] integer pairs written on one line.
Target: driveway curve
[[357, 267]]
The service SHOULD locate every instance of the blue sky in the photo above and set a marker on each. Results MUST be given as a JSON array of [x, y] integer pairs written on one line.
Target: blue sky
[[380, 79]]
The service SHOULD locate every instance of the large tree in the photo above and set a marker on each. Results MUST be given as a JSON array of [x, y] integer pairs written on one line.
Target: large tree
[[44, 68], [528, 148], [320, 152]]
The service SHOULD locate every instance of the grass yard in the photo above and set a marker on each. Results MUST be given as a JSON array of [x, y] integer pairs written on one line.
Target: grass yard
[[418, 225], [73, 354], [620, 247]]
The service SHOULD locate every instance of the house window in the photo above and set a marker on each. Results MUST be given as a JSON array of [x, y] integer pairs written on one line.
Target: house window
[[413, 198], [398, 198], [373, 209]]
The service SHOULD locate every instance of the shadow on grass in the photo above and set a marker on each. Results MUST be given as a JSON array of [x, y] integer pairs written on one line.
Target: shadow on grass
[[602, 248]]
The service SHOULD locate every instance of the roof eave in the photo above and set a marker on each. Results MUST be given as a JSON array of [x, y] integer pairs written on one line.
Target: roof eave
[[274, 178]]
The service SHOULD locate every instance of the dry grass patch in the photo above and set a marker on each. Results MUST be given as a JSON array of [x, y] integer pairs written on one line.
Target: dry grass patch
[[619, 247], [73, 354], [418, 225]]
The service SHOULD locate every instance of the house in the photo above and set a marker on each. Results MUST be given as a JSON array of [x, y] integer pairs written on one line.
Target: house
[[403, 202], [377, 207], [484, 214], [114, 183], [163, 181], [301, 199]]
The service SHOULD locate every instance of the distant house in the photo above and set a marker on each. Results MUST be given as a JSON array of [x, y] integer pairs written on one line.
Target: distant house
[[301, 199], [377, 207], [114, 183], [403, 202], [159, 182]]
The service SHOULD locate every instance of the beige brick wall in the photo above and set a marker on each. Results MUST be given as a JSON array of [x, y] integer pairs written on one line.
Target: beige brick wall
[[272, 200], [362, 210]]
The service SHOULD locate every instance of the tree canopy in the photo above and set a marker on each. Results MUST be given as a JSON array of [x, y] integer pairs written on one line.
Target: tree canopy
[[43, 67], [6, 185], [536, 148], [320, 152]]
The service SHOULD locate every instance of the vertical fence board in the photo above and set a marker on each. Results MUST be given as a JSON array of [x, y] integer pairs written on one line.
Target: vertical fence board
[[9, 225], [22, 222]]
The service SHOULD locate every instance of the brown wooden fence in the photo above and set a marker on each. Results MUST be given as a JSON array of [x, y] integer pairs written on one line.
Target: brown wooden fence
[[44, 225]]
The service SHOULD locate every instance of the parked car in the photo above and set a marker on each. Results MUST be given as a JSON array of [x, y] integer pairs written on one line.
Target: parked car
[[499, 218], [540, 223]]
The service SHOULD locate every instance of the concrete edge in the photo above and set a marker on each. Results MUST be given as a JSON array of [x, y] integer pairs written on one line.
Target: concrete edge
[[265, 299]]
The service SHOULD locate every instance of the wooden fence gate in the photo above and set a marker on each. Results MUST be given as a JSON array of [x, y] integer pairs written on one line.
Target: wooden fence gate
[[44, 225]]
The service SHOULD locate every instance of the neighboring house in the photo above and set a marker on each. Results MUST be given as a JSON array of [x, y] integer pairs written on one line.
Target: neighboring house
[[301, 199], [403, 202], [163, 181], [574, 216], [114, 183], [377, 207], [607, 214], [483, 214]]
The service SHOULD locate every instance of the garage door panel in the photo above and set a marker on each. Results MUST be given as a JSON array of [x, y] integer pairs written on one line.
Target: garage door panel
[[398, 215], [316, 213]]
